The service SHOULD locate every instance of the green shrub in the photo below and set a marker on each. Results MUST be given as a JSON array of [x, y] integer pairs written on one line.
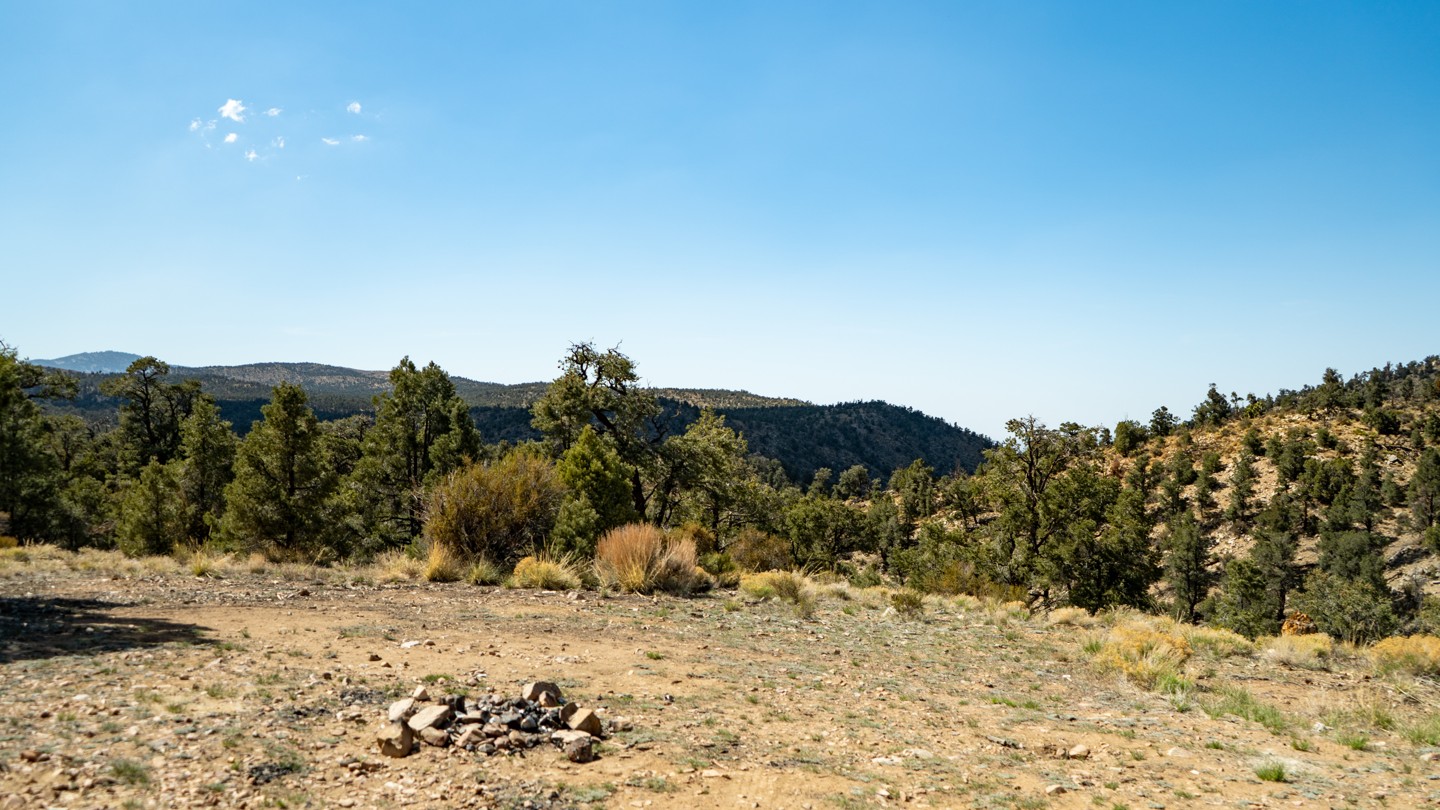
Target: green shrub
[[495, 510]]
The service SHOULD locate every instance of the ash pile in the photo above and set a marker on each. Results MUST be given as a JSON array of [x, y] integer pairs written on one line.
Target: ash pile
[[493, 724]]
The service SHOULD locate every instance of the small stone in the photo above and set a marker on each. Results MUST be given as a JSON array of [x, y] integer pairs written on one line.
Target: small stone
[[580, 749], [585, 720], [1078, 752], [1177, 752], [405, 645], [549, 700], [30, 755], [1430, 756], [472, 736], [395, 740], [402, 709], [430, 717], [373, 657], [421, 694], [568, 710], [711, 773], [620, 724], [435, 737], [346, 802], [535, 689], [517, 739], [1055, 790]]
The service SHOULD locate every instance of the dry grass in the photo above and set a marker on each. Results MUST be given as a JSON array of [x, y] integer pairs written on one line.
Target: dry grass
[[1409, 655], [443, 564], [1145, 652], [6, 541], [1214, 642], [396, 566], [1071, 617], [1310, 651], [484, 572], [640, 558], [787, 586], [545, 573]]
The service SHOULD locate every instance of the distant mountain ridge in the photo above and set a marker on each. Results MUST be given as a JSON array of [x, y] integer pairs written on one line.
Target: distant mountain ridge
[[110, 362], [802, 436]]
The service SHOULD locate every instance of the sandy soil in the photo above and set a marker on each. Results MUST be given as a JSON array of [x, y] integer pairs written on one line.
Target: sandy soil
[[254, 691]]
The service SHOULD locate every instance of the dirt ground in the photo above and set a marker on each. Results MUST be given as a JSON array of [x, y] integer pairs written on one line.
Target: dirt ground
[[261, 691]]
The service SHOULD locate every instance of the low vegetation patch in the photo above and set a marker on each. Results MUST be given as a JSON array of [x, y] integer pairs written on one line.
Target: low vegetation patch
[[547, 573], [1409, 655], [1143, 651], [640, 558], [1236, 701], [1310, 651]]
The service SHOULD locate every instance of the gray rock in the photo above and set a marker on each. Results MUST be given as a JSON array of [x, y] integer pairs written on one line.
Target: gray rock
[[402, 709], [580, 749], [435, 737], [430, 717]]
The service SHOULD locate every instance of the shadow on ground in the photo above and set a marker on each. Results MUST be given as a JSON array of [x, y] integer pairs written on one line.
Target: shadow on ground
[[33, 627]]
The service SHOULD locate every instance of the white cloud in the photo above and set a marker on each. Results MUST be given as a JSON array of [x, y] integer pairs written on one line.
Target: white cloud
[[251, 156], [195, 125], [330, 141], [273, 111], [234, 110], [231, 138], [279, 142], [353, 107], [359, 138]]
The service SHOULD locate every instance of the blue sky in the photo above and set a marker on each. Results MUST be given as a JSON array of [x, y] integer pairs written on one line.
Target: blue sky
[[981, 210]]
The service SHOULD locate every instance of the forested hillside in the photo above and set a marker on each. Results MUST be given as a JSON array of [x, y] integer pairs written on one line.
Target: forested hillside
[[801, 436], [1324, 500]]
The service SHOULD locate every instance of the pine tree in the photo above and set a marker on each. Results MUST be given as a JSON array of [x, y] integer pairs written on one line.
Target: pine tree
[[422, 431], [1187, 565], [278, 499], [207, 451], [1242, 489], [152, 514]]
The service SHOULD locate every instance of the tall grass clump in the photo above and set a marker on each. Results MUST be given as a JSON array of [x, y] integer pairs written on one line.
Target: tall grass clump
[[1310, 651], [395, 565], [640, 558], [443, 564], [1143, 652], [545, 572], [484, 572], [1409, 655]]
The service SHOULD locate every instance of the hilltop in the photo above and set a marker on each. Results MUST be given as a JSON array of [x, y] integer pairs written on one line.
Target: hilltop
[[801, 436]]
